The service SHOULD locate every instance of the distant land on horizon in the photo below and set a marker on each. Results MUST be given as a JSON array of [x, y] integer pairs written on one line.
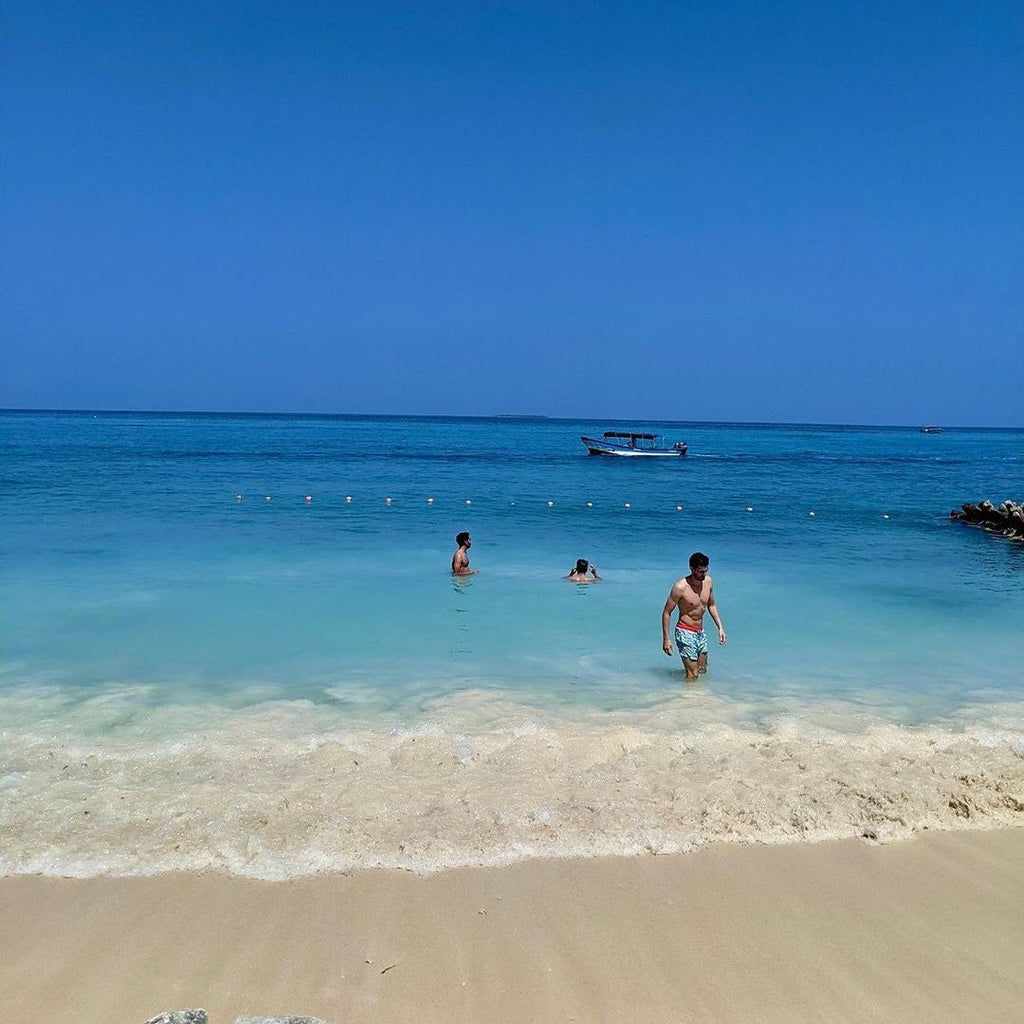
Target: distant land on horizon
[[500, 417]]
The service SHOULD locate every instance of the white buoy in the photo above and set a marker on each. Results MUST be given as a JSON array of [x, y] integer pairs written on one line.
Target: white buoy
[[387, 501], [627, 505], [348, 499], [812, 513], [590, 504], [885, 515], [430, 501], [511, 503], [750, 508], [267, 498], [679, 508], [551, 504], [309, 498], [469, 501], [238, 497]]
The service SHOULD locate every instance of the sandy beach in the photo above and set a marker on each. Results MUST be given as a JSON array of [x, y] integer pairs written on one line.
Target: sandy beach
[[928, 929]]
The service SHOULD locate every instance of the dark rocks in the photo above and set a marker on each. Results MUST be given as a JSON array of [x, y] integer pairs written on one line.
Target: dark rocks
[[199, 1017], [1007, 519]]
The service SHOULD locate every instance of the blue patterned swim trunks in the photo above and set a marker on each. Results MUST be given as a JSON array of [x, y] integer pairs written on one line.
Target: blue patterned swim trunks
[[691, 645]]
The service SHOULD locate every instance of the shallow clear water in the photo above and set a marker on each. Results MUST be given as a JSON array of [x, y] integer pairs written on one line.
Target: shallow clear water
[[155, 626]]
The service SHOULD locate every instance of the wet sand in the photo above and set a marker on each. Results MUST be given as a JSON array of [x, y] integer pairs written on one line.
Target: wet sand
[[930, 929]]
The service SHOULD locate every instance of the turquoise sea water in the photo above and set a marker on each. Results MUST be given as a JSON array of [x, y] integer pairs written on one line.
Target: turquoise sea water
[[197, 655]]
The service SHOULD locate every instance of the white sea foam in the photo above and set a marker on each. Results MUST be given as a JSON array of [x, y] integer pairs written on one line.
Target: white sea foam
[[281, 790]]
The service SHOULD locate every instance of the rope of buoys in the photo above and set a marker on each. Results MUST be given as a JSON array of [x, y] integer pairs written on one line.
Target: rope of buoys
[[349, 499]]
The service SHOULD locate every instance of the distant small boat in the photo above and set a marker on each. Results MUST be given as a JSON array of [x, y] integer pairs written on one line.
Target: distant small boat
[[931, 430], [633, 445]]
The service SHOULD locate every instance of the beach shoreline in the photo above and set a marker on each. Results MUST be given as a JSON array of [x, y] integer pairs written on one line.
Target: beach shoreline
[[925, 929], [273, 793]]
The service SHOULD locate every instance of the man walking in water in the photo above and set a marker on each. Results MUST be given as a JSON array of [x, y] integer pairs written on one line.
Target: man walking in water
[[460, 560], [692, 596]]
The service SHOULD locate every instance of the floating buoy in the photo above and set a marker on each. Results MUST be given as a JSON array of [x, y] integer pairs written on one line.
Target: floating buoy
[[750, 508], [590, 504], [551, 504], [267, 498], [885, 515], [309, 498], [627, 505], [238, 497], [387, 501], [679, 508], [430, 501], [812, 514], [348, 499], [511, 503], [468, 501]]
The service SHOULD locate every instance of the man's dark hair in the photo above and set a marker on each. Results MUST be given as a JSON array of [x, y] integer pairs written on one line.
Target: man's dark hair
[[462, 538], [698, 559], [582, 565]]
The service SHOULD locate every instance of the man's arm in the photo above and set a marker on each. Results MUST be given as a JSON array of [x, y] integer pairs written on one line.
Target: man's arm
[[713, 612], [666, 619]]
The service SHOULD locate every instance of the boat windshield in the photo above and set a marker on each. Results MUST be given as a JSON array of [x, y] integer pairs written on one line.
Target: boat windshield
[[632, 439]]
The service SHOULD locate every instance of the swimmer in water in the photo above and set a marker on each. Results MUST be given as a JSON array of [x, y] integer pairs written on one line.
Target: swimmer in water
[[583, 572], [460, 560]]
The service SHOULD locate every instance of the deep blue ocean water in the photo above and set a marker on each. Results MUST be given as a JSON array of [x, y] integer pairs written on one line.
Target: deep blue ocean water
[[167, 586]]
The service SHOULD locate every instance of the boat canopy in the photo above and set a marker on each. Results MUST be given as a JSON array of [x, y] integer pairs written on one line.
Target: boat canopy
[[632, 437]]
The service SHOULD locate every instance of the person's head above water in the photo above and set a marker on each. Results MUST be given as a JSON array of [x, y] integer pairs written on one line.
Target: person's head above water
[[582, 565]]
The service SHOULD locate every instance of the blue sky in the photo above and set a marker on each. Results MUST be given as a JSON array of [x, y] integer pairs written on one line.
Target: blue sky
[[722, 211]]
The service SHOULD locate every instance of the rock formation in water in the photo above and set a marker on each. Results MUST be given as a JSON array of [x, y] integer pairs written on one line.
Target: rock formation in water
[[1006, 519], [200, 1017]]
